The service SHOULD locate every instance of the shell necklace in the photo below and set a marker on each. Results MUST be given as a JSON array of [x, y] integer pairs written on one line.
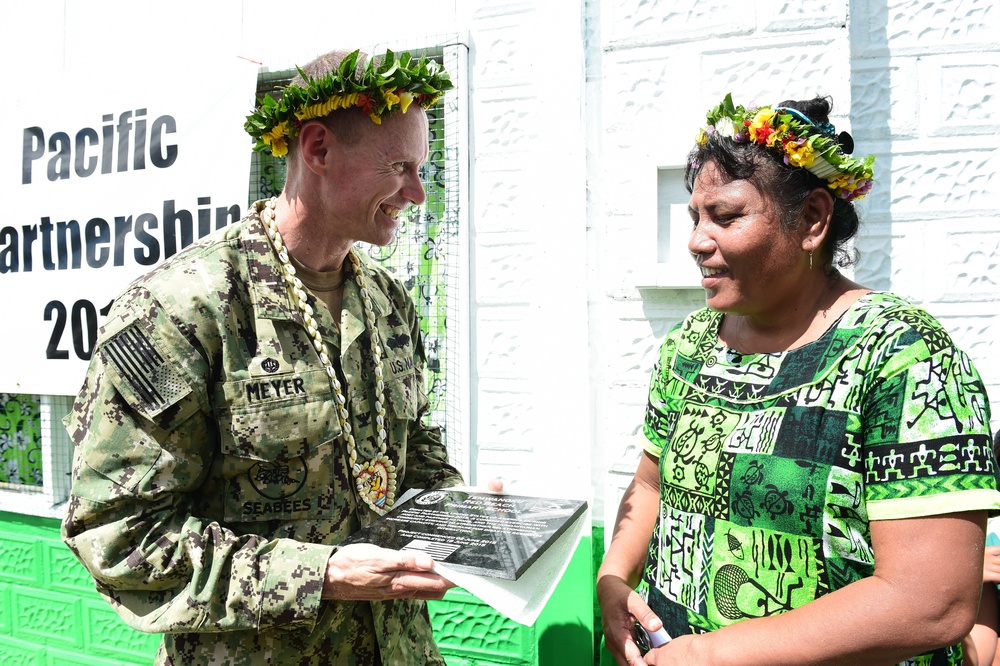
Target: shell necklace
[[375, 479]]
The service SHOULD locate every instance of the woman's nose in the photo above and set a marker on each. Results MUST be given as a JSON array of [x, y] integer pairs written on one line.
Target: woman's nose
[[698, 242]]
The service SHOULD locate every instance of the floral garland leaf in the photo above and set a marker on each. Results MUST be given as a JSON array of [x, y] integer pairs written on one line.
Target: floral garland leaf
[[348, 64], [723, 109], [389, 65]]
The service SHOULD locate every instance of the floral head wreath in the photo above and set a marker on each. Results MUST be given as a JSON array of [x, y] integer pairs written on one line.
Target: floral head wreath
[[385, 85], [798, 140]]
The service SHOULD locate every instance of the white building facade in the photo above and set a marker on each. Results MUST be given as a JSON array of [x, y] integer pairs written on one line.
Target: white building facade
[[581, 113]]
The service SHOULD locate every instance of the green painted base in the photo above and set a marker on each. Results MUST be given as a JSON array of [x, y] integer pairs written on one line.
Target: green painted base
[[50, 612], [469, 632]]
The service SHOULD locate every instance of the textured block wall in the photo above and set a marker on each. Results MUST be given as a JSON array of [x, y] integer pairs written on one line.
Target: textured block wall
[[915, 82], [50, 612], [925, 84], [531, 417]]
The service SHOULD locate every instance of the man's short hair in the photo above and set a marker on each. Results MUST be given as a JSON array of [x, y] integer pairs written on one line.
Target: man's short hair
[[345, 124]]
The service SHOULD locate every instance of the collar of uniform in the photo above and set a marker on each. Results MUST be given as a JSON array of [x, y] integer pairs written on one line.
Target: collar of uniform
[[374, 282], [271, 296]]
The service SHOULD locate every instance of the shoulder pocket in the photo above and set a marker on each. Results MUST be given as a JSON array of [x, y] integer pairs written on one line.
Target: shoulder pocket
[[142, 370]]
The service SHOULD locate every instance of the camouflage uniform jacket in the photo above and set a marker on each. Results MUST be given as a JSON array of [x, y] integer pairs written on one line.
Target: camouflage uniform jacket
[[210, 482]]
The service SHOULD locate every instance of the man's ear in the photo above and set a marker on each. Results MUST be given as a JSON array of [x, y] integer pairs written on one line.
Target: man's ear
[[817, 211], [314, 148]]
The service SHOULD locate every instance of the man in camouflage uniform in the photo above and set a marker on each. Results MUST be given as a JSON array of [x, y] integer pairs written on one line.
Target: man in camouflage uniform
[[211, 481]]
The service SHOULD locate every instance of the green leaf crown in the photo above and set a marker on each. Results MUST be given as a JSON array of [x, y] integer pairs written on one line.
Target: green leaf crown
[[383, 86]]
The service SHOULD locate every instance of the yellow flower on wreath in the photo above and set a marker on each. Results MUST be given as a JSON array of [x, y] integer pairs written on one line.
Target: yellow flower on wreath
[[778, 136], [391, 98], [800, 153], [846, 183], [760, 127], [321, 109], [279, 147], [405, 99], [277, 140]]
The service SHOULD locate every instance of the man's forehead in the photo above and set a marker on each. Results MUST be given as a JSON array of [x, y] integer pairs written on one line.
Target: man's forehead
[[404, 140]]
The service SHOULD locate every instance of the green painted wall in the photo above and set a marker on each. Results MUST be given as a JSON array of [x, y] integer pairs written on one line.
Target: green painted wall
[[49, 611], [51, 615]]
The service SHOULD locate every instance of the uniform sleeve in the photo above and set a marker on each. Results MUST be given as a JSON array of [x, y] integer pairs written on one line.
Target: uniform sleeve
[[145, 439], [927, 448], [427, 464]]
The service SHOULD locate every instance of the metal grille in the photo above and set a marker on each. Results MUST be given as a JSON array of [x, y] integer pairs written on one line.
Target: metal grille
[[35, 453]]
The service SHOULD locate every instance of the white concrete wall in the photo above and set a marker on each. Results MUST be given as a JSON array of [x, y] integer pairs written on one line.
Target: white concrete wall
[[918, 82], [530, 272], [926, 84], [576, 104]]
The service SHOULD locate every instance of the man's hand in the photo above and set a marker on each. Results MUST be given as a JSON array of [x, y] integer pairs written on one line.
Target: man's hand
[[366, 572]]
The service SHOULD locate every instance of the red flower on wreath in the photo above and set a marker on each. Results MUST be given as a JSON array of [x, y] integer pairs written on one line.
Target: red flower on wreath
[[760, 133], [366, 102]]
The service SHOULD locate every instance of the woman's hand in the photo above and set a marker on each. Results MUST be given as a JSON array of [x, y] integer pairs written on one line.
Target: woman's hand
[[991, 565], [621, 606], [681, 651]]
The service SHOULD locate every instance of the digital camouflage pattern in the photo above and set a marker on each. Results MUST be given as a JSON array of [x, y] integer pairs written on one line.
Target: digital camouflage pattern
[[210, 482], [773, 465]]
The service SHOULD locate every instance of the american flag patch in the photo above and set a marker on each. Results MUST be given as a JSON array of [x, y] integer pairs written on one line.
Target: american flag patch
[[154, 382]]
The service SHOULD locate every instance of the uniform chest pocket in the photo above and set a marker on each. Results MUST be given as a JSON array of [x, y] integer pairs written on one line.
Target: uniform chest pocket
[[401, 396], [278, 447]]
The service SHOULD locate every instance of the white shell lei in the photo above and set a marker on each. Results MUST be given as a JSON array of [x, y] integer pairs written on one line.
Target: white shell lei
[[375, 479]]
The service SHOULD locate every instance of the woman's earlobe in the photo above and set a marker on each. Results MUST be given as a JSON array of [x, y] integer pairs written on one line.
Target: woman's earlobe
[[818, 209]]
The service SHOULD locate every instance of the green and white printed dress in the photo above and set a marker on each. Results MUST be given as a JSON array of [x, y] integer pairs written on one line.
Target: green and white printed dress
[[773, 465]]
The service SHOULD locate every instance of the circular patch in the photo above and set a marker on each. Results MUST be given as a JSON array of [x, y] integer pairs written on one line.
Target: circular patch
[[279, 479], [433, 497], [270, 365]]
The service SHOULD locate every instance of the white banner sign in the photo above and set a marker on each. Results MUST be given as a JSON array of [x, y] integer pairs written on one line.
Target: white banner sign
[[102, 182]]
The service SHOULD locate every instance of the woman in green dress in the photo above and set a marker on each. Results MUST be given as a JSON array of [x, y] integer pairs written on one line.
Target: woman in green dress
[[818, 460]]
